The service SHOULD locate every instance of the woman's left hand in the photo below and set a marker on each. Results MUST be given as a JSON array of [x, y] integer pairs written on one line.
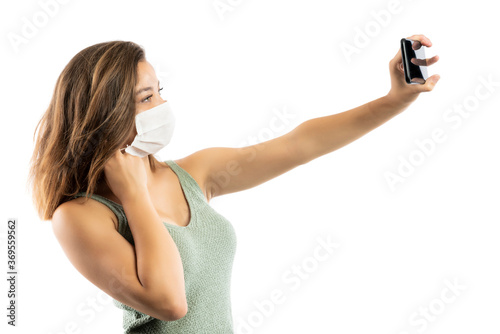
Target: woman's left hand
[[401, 93]]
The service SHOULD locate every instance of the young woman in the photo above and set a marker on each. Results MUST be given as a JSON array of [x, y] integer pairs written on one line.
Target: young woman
[[141, 229]]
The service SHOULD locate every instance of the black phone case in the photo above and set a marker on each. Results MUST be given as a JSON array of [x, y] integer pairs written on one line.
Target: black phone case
[[411, 70]]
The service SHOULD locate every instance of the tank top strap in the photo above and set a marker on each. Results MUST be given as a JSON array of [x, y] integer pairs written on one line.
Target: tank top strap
[[117, 210], [188, 183]]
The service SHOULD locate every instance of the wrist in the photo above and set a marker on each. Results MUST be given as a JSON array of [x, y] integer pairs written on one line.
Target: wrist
[[136, 195], [396, 102]]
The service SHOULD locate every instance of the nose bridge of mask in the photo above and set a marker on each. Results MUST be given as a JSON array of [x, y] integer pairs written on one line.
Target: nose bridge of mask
[[153, 118]]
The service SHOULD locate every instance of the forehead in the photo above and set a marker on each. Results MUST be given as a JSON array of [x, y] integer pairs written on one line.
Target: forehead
[[145, 73]]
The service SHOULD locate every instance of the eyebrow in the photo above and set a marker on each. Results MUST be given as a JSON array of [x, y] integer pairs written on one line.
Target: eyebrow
[[144, 89]]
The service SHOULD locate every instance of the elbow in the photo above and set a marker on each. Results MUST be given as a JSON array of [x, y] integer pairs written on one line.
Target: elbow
[[298, 146], [178, 312], [174, 312]]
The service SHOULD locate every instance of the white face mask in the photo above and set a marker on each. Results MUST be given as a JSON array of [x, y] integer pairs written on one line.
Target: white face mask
[[154, 127]]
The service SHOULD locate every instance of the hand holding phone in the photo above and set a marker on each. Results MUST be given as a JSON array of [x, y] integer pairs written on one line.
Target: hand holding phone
[[414, 62], [408, 71]]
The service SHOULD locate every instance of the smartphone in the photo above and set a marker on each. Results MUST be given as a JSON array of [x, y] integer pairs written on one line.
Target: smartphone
[[414, 74]]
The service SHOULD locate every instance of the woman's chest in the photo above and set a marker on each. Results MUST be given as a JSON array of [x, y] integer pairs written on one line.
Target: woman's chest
[[170, 201], [172, 208]]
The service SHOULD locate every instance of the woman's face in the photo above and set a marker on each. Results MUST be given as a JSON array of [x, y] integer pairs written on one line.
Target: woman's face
[[147, 92]]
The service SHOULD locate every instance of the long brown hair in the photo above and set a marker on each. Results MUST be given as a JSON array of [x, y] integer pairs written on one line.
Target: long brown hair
[[91, 113]]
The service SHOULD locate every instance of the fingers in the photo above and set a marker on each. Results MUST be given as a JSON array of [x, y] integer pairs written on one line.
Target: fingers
[[419, 62], [416, 45], [430, 83], [123, 149], [425, 62], [118, 154], [421, 39], [401, 67], [418, 80], [115, 155], [418, 41]]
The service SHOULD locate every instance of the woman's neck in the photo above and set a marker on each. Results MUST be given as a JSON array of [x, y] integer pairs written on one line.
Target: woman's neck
[[104, 190]]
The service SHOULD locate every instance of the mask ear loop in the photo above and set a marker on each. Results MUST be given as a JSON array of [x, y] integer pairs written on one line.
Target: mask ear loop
[[124, 148]]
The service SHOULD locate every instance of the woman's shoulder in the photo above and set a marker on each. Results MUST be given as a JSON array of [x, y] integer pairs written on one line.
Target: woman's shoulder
[[86, 211]]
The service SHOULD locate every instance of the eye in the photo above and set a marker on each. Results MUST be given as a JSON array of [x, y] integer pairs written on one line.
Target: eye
[[150, 96]]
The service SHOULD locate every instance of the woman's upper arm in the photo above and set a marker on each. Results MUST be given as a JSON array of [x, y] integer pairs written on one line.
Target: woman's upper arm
[[224, 170], [87, 235]]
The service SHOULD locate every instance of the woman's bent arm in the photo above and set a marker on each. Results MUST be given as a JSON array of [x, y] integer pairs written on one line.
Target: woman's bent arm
[[130, 275], [159, 265]]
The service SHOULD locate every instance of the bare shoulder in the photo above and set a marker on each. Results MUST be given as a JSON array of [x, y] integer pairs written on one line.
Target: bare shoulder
[[87, 210], [195, 164]]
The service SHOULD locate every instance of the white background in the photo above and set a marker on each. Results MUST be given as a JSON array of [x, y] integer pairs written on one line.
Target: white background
[[225, 76]]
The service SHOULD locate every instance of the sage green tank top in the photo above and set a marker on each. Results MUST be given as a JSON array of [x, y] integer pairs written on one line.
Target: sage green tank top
[[207, 247]]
